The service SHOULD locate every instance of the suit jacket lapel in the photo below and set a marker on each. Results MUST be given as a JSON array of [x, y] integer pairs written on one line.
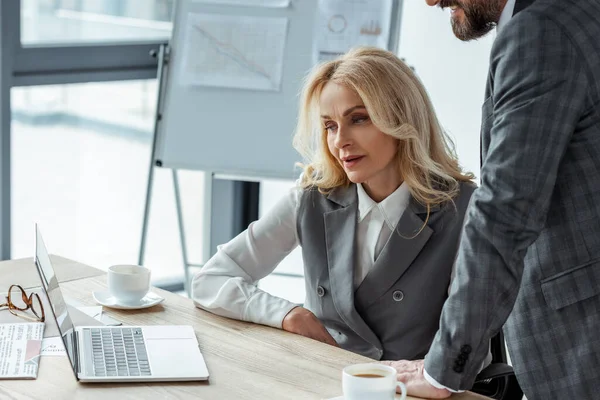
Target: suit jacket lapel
[[340, 233], [488, 93], [397, 255], [520, 5]]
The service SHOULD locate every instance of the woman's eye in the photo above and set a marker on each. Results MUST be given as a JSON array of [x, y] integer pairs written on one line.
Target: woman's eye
[[359, 119], [330, 128]]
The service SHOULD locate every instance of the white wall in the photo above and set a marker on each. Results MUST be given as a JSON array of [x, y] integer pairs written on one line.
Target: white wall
[[453, 72]]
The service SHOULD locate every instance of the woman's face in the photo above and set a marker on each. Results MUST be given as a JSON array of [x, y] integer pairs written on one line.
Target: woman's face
[[366, 154]]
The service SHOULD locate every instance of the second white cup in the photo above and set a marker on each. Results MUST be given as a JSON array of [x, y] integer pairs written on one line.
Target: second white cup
[[128, 283], [371, 381]]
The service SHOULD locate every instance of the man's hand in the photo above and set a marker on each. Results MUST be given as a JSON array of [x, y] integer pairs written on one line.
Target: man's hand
[[305, 323], [411, 373]]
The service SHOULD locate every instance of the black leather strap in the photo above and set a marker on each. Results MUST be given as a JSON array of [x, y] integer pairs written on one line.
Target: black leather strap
[[493, 371]]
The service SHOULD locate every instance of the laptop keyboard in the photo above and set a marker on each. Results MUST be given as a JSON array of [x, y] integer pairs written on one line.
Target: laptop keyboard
[[119, 351]]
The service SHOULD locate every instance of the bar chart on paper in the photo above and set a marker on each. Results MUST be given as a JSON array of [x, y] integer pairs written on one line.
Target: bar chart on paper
[[343, 24], [233, 51]]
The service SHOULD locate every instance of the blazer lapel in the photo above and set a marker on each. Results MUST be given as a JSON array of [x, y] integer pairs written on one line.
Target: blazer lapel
[[340, 233], [520, 5], [397, 255]]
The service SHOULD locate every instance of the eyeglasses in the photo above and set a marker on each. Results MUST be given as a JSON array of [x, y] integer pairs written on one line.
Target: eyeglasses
[[19, 303]]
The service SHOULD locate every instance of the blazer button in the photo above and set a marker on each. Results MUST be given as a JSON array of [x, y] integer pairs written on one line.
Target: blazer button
[[466, 349], [398, 295], [320, 291], [458, 369]]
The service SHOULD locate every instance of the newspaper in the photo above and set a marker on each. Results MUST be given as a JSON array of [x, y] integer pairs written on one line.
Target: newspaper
[[20, 347]]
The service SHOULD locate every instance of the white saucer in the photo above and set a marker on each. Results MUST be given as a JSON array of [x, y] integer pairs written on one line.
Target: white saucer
[[105, 299], [342, 397]]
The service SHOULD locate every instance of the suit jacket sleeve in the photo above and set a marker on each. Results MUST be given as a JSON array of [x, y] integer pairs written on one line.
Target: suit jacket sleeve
[[539, 94]]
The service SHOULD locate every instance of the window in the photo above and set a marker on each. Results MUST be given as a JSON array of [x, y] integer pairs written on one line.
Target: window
[[89, 21], [287, 281], [80, 159]]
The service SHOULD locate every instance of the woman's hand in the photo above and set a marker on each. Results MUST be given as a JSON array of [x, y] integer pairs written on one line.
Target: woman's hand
[[303, 322]]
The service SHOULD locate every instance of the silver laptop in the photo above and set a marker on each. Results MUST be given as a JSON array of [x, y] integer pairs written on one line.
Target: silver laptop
[[123, 353]]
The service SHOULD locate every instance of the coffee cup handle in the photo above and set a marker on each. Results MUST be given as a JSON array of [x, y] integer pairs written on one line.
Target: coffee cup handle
[[402, 387]]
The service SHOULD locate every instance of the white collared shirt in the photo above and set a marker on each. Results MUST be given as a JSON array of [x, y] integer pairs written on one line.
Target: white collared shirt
[[376, 222], [227, 284], [506, 15]]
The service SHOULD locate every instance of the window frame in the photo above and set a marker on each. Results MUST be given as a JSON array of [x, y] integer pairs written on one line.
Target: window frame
[[44, 64]]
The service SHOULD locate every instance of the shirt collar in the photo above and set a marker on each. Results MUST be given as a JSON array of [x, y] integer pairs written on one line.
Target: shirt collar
[[391, 207], [506, 15]]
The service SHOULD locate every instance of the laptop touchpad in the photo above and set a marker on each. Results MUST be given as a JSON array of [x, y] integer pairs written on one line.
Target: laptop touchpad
[[173, 352], [176, 357], [168, 332]]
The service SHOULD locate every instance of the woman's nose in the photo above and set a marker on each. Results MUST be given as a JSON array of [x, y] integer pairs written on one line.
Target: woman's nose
[[342, 139]]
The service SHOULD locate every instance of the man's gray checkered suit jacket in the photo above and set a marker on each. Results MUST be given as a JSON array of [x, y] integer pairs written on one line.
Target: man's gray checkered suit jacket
[[530, 250]]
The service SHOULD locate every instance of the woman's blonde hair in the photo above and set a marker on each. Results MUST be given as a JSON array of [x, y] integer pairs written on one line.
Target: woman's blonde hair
[[399, 106]]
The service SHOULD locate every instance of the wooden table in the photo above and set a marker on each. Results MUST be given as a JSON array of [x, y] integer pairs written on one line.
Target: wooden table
[[245, 361]]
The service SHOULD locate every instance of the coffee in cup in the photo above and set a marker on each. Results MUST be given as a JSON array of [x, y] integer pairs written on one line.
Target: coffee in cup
[[128, 284], [371, 381], [369, 375]]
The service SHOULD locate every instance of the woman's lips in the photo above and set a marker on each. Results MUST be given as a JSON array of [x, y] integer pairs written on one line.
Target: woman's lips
[[350, 162]]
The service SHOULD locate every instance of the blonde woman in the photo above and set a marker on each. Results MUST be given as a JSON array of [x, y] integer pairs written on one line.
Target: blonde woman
[[378, 213]]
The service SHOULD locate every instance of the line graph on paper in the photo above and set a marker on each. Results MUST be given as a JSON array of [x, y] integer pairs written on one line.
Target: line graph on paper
[[231, 51]]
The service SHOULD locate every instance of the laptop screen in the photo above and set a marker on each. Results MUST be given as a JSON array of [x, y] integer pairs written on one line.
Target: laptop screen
[[55, 298]]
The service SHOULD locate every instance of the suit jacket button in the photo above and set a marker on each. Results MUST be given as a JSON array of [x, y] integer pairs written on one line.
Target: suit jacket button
[[398, 295], [458, 369], [320, 291], [460, 362], [466, 349]]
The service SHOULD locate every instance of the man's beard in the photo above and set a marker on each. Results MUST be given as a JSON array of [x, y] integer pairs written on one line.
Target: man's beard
[[480, 17]]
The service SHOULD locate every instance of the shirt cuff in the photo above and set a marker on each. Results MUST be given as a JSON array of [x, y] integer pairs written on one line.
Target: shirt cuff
[[438, 385], [263, 308]]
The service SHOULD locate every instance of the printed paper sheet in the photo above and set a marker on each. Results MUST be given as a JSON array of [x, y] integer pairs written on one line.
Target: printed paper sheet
[[343, 24], [234, 51]]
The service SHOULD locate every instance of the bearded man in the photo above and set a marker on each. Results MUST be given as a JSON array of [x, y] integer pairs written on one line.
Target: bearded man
[[529, 258]]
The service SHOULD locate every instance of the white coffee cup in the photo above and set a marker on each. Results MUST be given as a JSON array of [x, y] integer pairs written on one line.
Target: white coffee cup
[[371, 381], [128, 284]]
